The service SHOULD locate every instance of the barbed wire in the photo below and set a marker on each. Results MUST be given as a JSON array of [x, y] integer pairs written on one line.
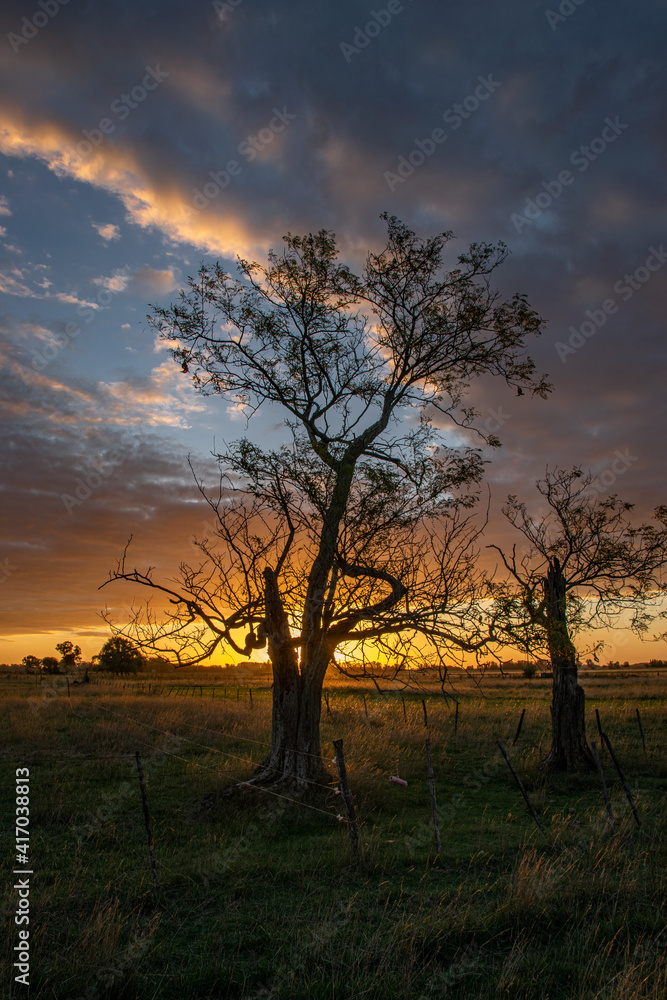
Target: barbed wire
[[217, 770], [246, 760]]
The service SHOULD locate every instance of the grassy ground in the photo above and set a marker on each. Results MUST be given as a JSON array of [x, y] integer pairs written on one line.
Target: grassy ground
[[257, 896]]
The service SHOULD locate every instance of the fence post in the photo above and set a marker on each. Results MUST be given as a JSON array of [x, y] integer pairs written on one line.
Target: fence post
[[250, 693], [147, 815], [518, 728], [431, 786], [365, 705], [626, 789], [355, 839], [605, 792], [597, 718], [523, 791], [641, 730], [425, 713], [405, 714], [326, 698]]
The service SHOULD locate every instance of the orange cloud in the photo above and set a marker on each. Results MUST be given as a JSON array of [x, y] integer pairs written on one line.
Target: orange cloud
[[118, 168]]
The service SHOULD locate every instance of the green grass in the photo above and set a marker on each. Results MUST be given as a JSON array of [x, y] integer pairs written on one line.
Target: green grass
[[257, 896]]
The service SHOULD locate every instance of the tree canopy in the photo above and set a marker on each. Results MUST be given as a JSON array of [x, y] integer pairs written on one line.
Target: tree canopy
[[120, 656], [613, 568], [357, 529]]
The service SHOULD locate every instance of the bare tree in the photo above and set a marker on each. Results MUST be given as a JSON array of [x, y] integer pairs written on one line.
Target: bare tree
[[587, 567], [359, 530]]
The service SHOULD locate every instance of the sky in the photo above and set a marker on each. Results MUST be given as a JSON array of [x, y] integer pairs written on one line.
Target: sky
[[140, 140]]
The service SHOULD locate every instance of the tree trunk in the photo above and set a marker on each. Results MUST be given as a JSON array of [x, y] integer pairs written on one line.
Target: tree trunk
[[569, 749], [295, 756]]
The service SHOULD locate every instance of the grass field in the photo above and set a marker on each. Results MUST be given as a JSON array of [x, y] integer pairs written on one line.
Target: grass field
[[257, 896]]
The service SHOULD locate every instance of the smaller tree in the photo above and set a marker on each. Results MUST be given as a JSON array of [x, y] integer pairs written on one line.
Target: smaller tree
[[120, 656], [70, 654], [31, 663], [587, 567], [50, 665]]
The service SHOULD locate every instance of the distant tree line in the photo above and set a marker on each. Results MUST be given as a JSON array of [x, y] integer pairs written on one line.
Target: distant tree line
[[118, 656]]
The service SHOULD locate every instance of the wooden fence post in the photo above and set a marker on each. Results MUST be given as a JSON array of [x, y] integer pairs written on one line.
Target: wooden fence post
[[355, 839], [597, 718], [431, 786], [147, 815], [523, 791], [641, 730], [326, 699], [365, 705], [626, 789], [605, 792], [518, 728], [425, 713], [250, 693]]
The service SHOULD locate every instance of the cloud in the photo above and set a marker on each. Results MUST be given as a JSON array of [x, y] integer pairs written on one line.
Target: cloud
[[4, 205], [11, 285], [117, 282], [149, 280], [144, 281], [162, 399], [72, 300], [108, 231]]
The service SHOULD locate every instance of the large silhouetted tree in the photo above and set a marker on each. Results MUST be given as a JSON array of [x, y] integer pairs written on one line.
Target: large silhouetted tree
[[587, 567], [356, 533]]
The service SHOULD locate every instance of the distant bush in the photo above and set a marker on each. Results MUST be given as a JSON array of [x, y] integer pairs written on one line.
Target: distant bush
[[50, 665], [158, 664], [119, 656], [529, 670]]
